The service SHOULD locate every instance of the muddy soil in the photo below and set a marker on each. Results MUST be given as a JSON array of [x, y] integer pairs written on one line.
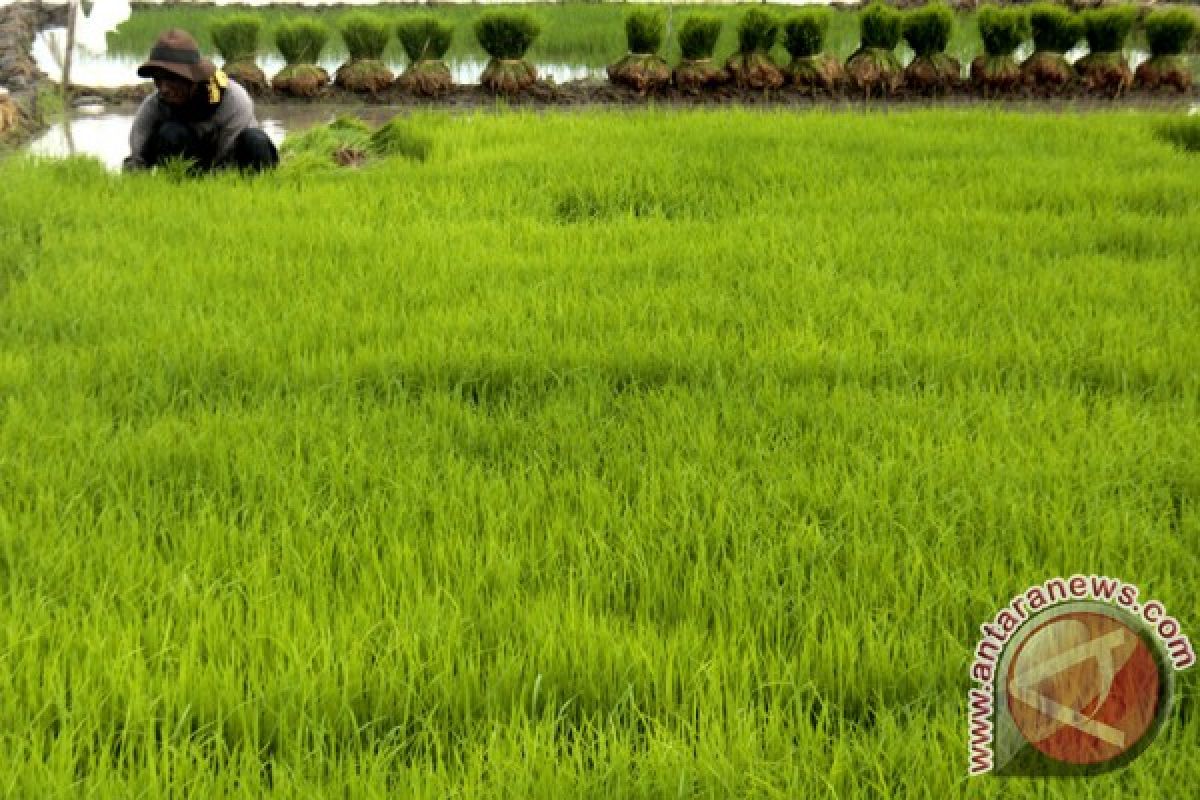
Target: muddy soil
[[592, 93]]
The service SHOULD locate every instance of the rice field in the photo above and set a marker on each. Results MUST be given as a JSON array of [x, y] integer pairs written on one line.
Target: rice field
[[613, 455]]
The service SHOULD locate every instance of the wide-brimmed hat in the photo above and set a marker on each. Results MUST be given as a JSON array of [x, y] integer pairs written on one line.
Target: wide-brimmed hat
[[176, 52]]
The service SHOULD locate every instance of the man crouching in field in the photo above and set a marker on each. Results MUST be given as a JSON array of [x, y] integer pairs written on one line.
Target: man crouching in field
[[195, 113]]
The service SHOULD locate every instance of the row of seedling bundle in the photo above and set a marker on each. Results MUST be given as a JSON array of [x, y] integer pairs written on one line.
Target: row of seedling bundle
[[424, 38], [875, 66]]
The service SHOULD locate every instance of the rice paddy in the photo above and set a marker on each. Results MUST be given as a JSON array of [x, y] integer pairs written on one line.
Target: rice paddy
[[618, 454]]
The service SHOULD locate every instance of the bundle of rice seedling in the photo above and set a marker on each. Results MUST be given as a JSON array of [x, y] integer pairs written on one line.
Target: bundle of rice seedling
[[366, 35], [874, 64], [642, 68], [751, 66], [345, 142], [1104, 68], [697, 40], [1168, 33], [506, 36], [301, 41], [1002, 31], [927, 31], [425, 40], [1182, 132], [804, 37], [236, 39], [399, 137], [1055, 32]]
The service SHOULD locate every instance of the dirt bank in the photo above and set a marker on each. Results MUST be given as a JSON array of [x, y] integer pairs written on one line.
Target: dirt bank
[[592, 93]]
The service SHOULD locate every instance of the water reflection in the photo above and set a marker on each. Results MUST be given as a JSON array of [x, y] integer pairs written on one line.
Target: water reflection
[[110, 71], [105, 136]]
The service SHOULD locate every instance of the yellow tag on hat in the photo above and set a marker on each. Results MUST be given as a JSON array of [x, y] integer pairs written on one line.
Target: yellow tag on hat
[[216, 83]]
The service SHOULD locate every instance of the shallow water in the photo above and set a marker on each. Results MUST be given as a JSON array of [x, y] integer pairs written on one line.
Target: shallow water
[[104, 136]]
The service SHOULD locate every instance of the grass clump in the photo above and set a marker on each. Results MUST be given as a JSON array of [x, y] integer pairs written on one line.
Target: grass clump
[[751, 66], [698, 37], [348, 141], [426, 40], [642, 69], [1183, 133], [1055, 31], [1168, 34], [874, 66], [400, 137], [344, 142], [366, 36], [927, 31], [506, 36], [811, 68], [424, 37], [1104, 68], [1106, 29], [301, 41], [1002, 31], [236, 38]]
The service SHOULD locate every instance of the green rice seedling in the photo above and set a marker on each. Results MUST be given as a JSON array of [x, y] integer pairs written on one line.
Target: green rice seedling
[[811, 67], [400, 137], [874, 64], [506, 36], [751, 66], [1168, 33], [1002, 31], [927, 31], [425, 39], [1055, 31], [346, 141], [631, 454], [236, 38], [1182, 132], [698, 37], [366, 36], [301, 41], [1105, 67], [622, 454], [642, 68]]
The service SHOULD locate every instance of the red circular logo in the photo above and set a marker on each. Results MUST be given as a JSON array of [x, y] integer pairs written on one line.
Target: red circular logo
[[1083, 688]]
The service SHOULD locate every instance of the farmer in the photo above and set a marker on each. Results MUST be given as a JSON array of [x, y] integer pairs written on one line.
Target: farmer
[[196, 112]]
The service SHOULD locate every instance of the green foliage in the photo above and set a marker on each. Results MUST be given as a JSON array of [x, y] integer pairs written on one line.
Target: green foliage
[[927, 30], [236, 36], [402, 483], [698, 36], [804, 31], [301, 40], [1106, 29], [506, 35], [1002, 29], [424, 37], [757, 31], [365, 34], [880, 26], [400, 137], [324, 140], [1183, 132], [1169, 32], [1054, 28], [644, 30]]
